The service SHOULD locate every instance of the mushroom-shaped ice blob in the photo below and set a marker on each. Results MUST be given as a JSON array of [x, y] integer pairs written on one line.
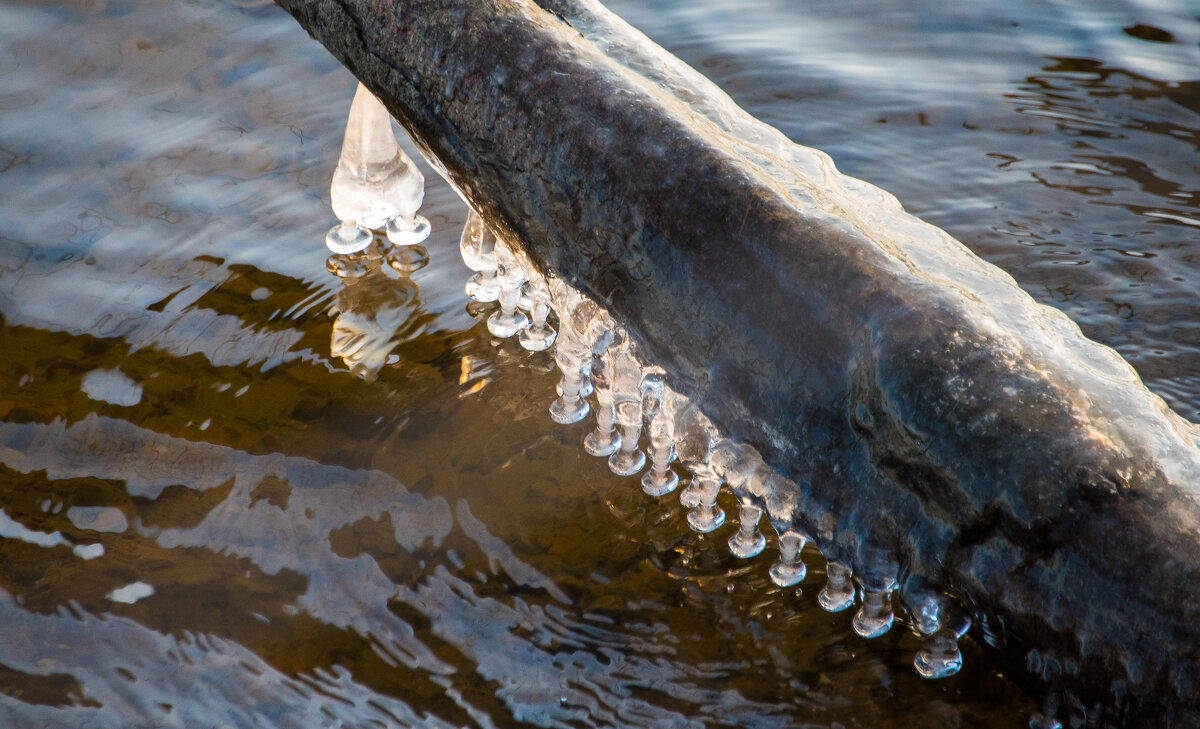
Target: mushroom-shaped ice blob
[[375, 186]]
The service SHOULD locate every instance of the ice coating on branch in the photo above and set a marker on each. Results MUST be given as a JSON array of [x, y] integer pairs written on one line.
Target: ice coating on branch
[[376, 186]]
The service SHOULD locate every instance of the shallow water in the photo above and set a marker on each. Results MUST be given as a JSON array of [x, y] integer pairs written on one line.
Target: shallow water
[[287, 545]]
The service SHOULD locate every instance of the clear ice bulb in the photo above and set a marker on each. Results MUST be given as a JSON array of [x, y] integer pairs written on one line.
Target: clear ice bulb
[[939, 656], [625, 377], [790, 569], [706, 516], [838, 592], [572, 352], [508, 320], [748, 541], [478, 248], [875, 615], [538, 336], [660, 479], [604, 440]]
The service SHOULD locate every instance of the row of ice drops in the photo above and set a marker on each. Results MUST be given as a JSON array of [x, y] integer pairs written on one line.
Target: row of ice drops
[[377, 187]]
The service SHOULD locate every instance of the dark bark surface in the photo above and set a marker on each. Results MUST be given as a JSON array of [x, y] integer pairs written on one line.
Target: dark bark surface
[[945, 419]]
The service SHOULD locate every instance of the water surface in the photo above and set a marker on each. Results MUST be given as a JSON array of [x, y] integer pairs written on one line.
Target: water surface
[[208, 521]]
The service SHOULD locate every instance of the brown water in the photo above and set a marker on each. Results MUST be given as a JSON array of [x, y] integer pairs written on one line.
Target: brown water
[[429, 549]]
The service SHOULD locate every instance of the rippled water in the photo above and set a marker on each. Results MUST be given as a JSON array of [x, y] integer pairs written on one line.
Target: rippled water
[[208, 521]]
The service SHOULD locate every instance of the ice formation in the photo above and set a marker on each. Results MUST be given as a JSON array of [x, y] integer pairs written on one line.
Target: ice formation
[[642, 427], [645, 428], [375, 186]]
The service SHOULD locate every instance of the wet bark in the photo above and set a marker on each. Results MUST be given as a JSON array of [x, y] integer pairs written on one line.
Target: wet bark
[[974, 435]]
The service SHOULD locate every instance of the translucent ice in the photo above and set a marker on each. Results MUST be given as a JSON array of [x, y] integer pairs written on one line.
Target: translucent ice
[[695, 437], [508, 320], [838, 592], [625, 377], [875, 616], [604, 440], [478, 248], [748, 541], [375, 184], [790, 569], [660, 479], [706, 516], [572, 353], [877, 575], [941, 627], [538, 335]]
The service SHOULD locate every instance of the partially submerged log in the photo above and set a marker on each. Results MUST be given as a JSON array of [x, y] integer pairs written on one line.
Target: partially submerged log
[[926, 407]]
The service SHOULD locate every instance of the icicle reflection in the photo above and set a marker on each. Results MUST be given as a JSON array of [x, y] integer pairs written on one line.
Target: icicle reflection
[[376, 308]]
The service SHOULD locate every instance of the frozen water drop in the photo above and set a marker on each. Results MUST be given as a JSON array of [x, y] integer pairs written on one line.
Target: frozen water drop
[[748, 541], [525, 301], [604, 440], [790, 568], [689, 498], [838, 592], [628, 460], [694, 440], [877, 570], [875, 615], [939, 656], [570, 407], [572, 352], [403, 232], [348, 237]]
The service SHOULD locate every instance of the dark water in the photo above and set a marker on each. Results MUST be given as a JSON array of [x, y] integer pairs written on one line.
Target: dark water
[[429, 549]]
